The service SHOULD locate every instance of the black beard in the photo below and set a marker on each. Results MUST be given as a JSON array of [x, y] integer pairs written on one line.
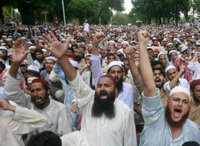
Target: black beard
[[5, 57], [40, 106], [171, 122], [78, 58], [40, 59], [105, 106], [119, 85]]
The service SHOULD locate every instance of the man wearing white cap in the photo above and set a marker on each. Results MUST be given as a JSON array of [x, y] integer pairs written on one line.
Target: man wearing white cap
[[5, 54], [125, 90], [106, 120], [54, 86], [163, 127], [172, 55], [174, 78], [185, 51], [57, 114]]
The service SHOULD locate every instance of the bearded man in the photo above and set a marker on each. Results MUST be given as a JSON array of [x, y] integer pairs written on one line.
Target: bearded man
[[106, 120], [38, 97], [163, 127]]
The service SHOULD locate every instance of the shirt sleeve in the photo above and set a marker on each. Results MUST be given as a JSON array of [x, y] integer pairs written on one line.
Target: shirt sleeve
[[25, 121], [167, 87], [152, 108], [97, 71], [13, 92], [81, 91]]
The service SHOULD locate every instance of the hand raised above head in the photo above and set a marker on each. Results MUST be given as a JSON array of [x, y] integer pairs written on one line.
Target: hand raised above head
[[98, 37], [57, 48], [130, 52], [19, 52], [143, 37]]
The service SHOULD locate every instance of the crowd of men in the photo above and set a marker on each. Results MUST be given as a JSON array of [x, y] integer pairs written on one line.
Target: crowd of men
[[100, 85]]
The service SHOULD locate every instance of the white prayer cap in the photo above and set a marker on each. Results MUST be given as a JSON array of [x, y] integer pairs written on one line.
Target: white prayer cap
[[172, 51], [169, 44], [192, 52], [125, 42], [31, 79], [44, 50], [198, 43], [111, 42], [121, 51], [89, 45], [87, 55], [184, 48], [33, 68], [180, 89], [41, 41], [51, 58], [72, 40], [4, 36], [9, 36], [149, 48], [30, 43], [161, 53], [120, 40], [10, 54], [169, 67], [115, 63], [74, 63], [23, 38], [63, 40], [3, 48], [32, 47]]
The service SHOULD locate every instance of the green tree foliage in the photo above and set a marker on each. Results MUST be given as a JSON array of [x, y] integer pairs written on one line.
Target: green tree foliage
[[160, 10], [120, 18], [81, 9]]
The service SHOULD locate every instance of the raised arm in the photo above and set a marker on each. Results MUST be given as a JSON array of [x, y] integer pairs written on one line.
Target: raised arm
[[145, 67], [60, 50]]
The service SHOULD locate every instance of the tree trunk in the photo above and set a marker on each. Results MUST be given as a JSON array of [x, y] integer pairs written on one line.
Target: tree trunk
[[1, 15], [176, 15]]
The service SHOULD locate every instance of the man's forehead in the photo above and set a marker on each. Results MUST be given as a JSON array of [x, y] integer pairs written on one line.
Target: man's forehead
[[105, 80], [180, 95]]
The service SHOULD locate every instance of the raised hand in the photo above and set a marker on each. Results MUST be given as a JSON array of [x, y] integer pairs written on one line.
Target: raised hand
[[74, 108], [5, 105], [130, 52], [57, 48], [143, 37], [98, 37], [19, 52]]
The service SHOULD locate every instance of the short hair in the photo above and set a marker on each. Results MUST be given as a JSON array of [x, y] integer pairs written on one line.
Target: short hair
[[71, 49], [161, 71], [110, 54], [38, 50], [46, 138], [156, 63]]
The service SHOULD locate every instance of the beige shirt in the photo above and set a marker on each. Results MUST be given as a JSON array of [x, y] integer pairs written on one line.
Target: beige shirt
[[22, 122], [194, 114]]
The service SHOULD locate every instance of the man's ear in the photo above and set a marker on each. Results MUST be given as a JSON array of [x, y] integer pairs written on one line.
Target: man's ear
[[167, 102], [191, 93], [49, 91]]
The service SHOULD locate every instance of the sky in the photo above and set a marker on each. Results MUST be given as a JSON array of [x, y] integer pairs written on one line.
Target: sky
[[127, 6]]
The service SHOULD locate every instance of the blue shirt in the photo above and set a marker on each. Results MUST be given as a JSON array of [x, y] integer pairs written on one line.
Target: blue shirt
[[157, 131]]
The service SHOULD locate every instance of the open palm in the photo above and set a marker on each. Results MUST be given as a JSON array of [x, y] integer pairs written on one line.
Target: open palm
[[57, 48], [19, 52]]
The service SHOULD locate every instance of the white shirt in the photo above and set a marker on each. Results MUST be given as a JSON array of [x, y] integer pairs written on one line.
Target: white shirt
[[119, 131], [57, 114], [182, 83], [22, 122]]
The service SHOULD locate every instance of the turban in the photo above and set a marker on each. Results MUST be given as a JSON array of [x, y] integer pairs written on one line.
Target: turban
[[194, 83], [44, 82], [110, 77]]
